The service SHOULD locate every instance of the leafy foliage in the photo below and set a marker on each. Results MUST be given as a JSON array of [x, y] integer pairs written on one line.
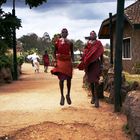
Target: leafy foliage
[[32, 41], [5, 61], [31, 3], [20, 59], [79, 45], [55, 37], [34, 3], [7, 23], [3, 47], [2, 1]]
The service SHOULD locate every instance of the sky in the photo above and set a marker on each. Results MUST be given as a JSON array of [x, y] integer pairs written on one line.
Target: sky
[[78, 16]]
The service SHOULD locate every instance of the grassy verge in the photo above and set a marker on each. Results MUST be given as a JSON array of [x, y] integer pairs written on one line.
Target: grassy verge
[[132, 77]]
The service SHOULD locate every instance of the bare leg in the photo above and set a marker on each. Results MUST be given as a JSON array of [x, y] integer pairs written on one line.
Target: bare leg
[[68, 86], [68, 92], [44, 68], [61, 85], [96, 95], [93, 92]]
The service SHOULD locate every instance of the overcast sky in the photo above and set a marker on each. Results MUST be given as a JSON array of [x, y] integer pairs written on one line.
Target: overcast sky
[[78, 16]]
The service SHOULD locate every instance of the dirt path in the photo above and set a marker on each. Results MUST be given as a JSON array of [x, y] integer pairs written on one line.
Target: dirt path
[[30, 110]]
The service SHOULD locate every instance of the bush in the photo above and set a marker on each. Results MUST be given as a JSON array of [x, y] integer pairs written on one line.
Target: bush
[[20, 60], [5, 61]]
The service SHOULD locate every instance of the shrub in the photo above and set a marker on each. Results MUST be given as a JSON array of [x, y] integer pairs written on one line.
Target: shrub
[[5, 61], [20, 59]]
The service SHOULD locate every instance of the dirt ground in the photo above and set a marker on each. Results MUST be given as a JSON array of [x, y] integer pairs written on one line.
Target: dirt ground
[[30, 110]]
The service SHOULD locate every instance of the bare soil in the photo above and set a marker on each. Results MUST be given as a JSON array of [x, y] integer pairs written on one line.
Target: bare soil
[[30, 110]]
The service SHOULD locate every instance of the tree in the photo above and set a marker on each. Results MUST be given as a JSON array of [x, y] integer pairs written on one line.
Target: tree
[[34, 3], [7, 22], [79, 45], [31, 3], [2, 1], [33, 42], [48, 43], [29, 41]]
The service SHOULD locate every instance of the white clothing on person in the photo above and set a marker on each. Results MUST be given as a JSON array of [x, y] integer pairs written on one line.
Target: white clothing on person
[[35, 58]]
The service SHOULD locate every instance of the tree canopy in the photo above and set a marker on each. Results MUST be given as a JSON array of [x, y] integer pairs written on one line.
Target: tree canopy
[[31, 3], [34, 3], [8, 23]]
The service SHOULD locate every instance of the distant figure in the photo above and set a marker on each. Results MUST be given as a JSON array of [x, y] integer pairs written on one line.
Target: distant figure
[[63, 69], [29, 59], [92, 63], [46, 61], [35, 60]]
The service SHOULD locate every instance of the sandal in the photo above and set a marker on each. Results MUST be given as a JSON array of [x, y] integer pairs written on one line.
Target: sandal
[[97, 103], [92, 101], [68, 99], [62, 101]]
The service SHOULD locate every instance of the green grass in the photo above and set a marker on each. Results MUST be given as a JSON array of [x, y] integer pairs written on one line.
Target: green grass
[[132, 77]]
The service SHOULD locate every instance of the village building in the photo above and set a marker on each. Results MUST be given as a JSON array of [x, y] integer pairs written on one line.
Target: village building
[[131, 37]]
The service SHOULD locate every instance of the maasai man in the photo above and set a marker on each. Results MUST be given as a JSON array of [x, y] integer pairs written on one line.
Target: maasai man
[[92, 62], [46, 61], [63, 69]]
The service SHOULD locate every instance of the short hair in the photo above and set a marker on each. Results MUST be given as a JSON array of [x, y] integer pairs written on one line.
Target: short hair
[[64, 30], [94, 33]]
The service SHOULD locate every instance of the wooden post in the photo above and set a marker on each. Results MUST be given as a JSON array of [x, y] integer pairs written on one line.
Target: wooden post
[[15, 73], [118, 55], [111, 39]]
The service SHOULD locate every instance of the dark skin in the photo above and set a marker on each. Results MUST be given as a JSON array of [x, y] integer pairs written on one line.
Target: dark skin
[[64, 35], [94, 86]]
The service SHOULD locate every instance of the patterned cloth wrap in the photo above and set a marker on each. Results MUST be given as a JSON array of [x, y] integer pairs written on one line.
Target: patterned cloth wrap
[[91, 53], [63, 58]]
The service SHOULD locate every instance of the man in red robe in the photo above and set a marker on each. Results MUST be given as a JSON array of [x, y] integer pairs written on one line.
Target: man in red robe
[[64, 56], [46, 61], [92, 62]]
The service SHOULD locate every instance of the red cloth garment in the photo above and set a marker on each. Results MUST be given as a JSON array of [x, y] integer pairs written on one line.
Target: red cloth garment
[[90, 61], [46, 59], [81, 66], [63, 58], [63, 46], [93, 72], [92, 52]]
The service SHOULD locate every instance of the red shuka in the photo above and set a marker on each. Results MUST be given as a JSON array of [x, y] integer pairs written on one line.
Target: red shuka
[[46, 59], [63, 57], [91, 53]]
